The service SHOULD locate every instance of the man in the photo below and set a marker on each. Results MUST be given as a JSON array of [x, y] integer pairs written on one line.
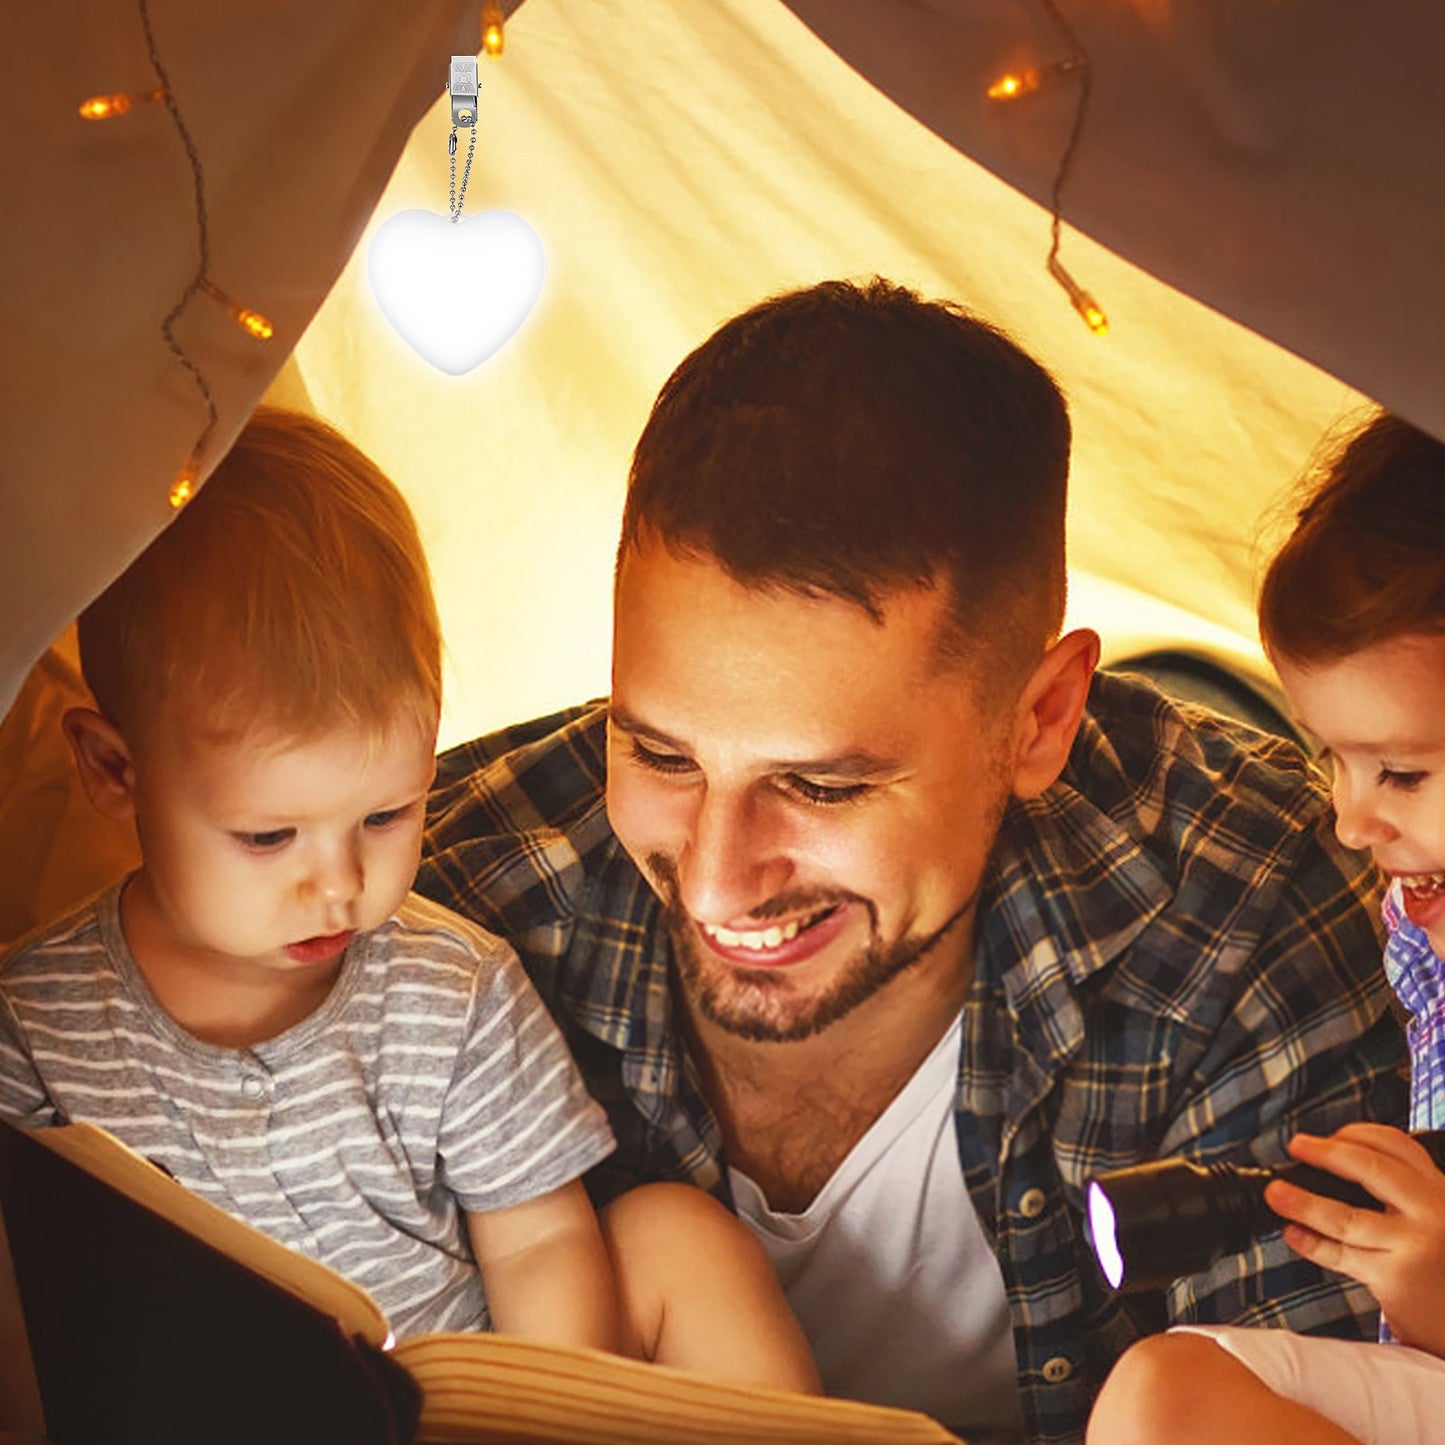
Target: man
[[894, 923]]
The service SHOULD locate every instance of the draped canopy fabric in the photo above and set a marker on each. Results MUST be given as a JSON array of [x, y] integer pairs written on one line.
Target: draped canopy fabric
[[680, 160]]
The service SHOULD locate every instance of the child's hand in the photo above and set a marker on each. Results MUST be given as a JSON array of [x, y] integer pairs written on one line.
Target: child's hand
[[1399, 1255]]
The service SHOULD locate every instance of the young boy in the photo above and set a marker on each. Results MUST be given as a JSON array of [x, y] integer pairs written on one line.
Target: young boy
[[266, 1010], [1353, 616]]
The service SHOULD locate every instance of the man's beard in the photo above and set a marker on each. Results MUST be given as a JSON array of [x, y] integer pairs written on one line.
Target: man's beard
[[754, 1003]]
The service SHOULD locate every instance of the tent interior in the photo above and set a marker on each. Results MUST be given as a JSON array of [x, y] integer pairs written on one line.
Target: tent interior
[[1246, 187]]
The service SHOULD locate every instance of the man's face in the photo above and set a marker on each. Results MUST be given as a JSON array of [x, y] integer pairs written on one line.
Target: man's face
[[813, 795], [1380, 716]]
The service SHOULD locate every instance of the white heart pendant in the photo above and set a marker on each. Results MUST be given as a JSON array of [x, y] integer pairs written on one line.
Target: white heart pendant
[[455, 290]]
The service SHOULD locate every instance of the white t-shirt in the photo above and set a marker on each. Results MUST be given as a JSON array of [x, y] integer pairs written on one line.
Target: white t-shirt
[[889, 1272]]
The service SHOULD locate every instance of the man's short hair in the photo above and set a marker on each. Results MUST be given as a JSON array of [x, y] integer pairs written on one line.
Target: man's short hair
[[853, 440], [1366, 560], [292, 592]]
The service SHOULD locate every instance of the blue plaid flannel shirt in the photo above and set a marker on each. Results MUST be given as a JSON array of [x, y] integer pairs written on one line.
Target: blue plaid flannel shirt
[[1174, 956]]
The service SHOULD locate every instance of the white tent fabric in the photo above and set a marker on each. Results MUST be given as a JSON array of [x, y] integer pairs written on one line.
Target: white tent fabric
[[298, 114], [1279, 161], [680, 160]]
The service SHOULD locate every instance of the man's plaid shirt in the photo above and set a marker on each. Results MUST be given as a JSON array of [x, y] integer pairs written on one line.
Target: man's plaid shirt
[[1174, 957]]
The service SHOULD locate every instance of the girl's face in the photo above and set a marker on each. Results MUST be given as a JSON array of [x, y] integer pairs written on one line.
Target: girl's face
[[1379, 716]]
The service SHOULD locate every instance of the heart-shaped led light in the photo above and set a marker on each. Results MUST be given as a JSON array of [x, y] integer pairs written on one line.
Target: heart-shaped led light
[[455, 290]]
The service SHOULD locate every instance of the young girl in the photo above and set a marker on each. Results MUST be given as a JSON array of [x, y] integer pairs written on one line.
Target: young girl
[[1353, 617]]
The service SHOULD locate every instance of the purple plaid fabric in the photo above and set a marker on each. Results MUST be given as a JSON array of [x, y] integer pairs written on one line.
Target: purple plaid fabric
[[1417, 975]]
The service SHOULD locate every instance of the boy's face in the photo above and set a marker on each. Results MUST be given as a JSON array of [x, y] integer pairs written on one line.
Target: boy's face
[[268, 854], [1380, 715]]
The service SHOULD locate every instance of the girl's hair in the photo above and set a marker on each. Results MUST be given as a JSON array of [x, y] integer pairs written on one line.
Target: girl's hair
[[291, 593], [1366, 560]]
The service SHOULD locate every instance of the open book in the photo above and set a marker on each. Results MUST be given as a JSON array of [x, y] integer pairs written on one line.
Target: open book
[[155, 1316]]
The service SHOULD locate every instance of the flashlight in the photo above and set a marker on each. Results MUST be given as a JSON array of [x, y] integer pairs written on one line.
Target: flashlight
[[1151, 1223]]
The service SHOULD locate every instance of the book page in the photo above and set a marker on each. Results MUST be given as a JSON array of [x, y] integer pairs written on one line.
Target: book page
[[103, 1155], [499, 1390], [487, 1389]]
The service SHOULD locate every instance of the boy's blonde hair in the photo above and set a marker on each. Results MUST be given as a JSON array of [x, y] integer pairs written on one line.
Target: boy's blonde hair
[[1366, 560], [291, 593]]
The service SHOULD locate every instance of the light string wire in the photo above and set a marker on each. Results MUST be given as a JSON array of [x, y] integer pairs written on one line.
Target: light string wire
[[1078, 61], [200, 281], [1081, 109]]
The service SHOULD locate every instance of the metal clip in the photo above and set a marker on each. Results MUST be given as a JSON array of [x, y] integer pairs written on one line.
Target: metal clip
[[463, 85]]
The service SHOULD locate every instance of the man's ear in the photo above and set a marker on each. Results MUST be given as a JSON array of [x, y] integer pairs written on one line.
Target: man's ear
[[1050, 709], [104, 761]]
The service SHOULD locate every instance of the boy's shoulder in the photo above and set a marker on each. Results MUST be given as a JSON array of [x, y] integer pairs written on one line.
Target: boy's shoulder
[[429, 934], [423, 918], [427, 962], [67, 944]]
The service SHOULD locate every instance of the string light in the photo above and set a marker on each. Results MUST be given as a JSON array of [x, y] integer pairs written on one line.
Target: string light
[[251, 322], [1014, 83], [494, 37], [103, 107], [1083, 303], [184, 486], [107, 107]]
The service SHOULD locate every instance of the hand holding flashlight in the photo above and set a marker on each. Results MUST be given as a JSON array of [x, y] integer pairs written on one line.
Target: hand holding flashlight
[[1397, 1252], [1152, 1222]]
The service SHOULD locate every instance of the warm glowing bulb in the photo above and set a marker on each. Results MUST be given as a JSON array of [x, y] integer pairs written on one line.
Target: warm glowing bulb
[[1015, 83], [1092, 313], [493, 37], [184, 486], [1079, 299], [106, 107], [251, 322], [102, 107]]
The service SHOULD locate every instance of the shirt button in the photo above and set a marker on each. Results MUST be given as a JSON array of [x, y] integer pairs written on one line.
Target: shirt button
[[1031, 1205], [252, 1087], [1058, 1369]]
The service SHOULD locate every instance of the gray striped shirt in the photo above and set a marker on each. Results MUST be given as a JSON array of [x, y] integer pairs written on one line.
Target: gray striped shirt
[[431, 1081]]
